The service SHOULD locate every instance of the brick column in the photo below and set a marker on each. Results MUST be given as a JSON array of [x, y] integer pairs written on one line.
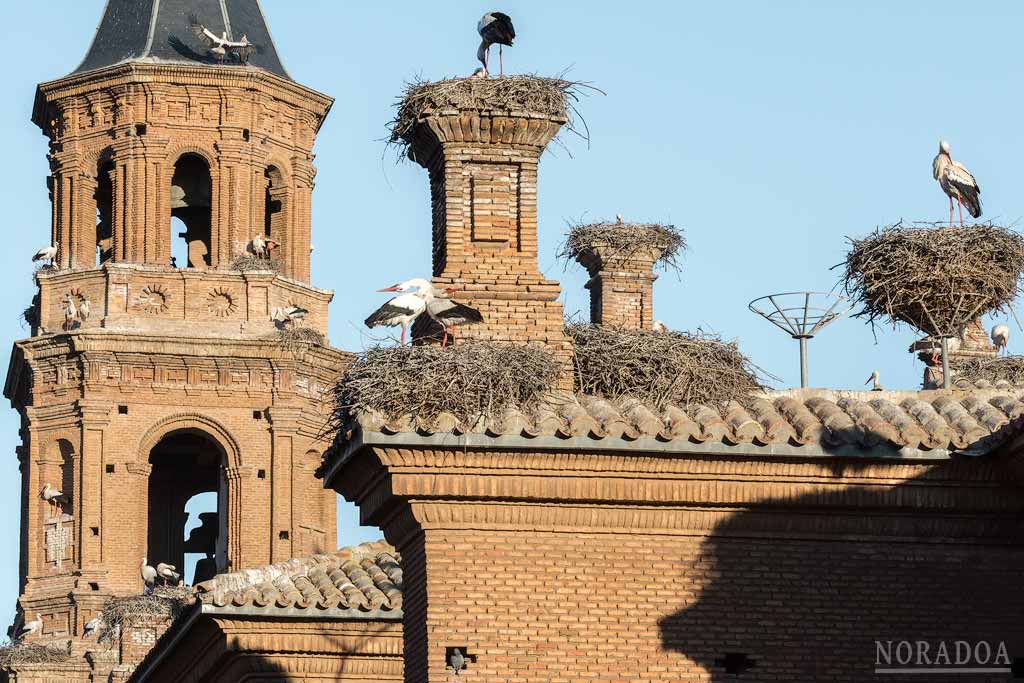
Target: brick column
[[95, 417], [299, 219], [483, 183], [65, 193], [284, 426], [230, 224], [621, 286]]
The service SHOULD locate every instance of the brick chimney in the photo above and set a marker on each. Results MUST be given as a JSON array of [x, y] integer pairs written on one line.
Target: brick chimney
[[483, 185], [621, 283]]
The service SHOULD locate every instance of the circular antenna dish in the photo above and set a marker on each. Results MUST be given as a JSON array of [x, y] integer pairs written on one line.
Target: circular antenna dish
[[801, 315]]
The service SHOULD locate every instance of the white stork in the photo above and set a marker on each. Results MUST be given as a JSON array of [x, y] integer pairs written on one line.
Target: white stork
[[494, 28], [404, 308], [957, 182], [289, 314], [1000, 336], [30, 627], [70, 313], [874, 381], [92, 626], [222, 46], [659, 327], [148, 574], [84, 310], [166, 573], [47, 253], [53, 496], [258, 246], [448, 313]]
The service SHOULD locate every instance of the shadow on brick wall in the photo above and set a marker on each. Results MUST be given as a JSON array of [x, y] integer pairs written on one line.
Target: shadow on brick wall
[[770, 606]]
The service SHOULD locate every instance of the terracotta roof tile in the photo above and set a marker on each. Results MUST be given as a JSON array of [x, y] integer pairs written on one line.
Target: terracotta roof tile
[[921, 420], [366, 577]]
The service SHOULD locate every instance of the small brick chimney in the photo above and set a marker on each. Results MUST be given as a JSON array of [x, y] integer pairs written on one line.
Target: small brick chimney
[[621, 284], [483, 185]]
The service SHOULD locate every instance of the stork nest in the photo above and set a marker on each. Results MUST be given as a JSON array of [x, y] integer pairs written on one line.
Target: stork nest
[[625, 241], [164, 602], [13, 656], [30, 316], [936, 279], [660, 368], [247, 263], [297, 337], [993, 370], [470, 381], [556, 97]]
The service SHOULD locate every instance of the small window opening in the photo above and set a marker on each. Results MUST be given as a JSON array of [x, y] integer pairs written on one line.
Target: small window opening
[[283, 535], [261, 474], [140, 129], [245, 134], [122, 410], [110, 469], [257, 414], [95, 530], [93, 586], [735, 662]]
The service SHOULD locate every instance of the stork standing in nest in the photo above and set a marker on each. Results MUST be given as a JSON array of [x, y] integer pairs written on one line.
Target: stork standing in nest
[[957, 182], [448, 314], [404, 308], [494, 28]]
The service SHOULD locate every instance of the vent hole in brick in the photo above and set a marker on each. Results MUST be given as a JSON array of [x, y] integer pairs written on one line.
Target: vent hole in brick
[[261, 474], [93, 586], [735, 662], [95, 530], [283, 535], [257, 414], [122, 410], [110, 469], [140, 129], [245, 134]]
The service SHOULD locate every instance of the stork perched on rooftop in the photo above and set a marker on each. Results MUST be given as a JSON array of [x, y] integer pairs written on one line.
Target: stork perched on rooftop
[[448, 314], [494, 28], [874, 381], [221, 47], [957, 182], [1000, 337], [401, 310], [47, 253]]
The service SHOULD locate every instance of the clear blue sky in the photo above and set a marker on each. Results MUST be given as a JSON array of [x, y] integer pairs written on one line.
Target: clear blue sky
[[767, 131]]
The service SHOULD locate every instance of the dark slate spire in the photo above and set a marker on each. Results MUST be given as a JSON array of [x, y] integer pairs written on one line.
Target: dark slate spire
[[159, 31]]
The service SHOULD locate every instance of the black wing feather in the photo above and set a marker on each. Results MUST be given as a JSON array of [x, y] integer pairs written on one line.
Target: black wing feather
[[461, 312], [970, 195], [386, 314]]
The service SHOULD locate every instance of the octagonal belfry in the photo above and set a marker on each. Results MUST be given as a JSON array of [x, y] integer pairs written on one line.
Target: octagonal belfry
[[148, 384]]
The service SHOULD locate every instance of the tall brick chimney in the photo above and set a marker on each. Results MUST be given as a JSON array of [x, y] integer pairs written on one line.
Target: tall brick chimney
[[483, 184], [621, 280]]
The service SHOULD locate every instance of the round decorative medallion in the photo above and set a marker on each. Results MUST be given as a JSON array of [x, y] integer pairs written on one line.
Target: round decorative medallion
[[221, 302], [153, 299]]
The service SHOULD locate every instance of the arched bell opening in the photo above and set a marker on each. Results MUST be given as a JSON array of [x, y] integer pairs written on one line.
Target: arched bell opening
[[192, 204], [187, 499], [104, 197], [275, 212]]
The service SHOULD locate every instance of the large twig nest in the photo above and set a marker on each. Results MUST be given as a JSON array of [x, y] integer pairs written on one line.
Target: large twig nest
[[660, 368], [250, 263], [625, 241], [993, 370], [165, 602], [555, 97], [13, 656], [470, 381], [936, 279]]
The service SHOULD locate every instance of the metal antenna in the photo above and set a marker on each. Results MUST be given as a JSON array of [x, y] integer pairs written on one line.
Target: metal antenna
[[801, 315]]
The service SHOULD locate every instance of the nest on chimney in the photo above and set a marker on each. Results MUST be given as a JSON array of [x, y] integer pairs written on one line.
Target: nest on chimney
[[556, 97], [164, 602], [934, 278], [248, 263], [625, 241], [660, 368], [969, 371], [12, 656], [469, 381]]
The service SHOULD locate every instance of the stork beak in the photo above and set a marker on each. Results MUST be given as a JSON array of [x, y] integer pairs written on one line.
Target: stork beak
[[869, 380], [392, 288], [450, 291]]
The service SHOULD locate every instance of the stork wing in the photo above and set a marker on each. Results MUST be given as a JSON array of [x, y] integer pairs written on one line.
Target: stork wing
[[204, 34], [960, 176], [243, 51]]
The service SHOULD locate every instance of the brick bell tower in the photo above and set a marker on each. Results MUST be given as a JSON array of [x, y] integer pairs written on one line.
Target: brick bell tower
[[169, 379]]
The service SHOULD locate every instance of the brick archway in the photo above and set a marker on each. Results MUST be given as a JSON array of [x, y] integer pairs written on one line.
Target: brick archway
[[186, 421]]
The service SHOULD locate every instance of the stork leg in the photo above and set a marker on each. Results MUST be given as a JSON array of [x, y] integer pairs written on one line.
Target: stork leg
[[951, 211], [403, 335], [501, 63], [444, 338], [960, 205]]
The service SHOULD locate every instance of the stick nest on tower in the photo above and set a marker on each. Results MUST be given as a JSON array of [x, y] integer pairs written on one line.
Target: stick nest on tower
[[249, 263], [542, 95], [13, 656], [469, 381], [660, 368], [165, 602], [969, 371], [936, 279], [625, 241]]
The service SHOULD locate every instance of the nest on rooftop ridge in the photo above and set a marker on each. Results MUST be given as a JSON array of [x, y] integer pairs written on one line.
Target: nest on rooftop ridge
[[542, 95], [993, 370], [936, 279], [247, 263], [12, 656], [660, 368], [625, 241], [469, 381], [164, 602]]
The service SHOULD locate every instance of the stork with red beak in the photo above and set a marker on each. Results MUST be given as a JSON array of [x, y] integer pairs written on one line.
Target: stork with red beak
[[401, 310], [448, 313]]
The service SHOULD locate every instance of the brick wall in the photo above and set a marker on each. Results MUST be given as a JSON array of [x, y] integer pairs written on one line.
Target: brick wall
[[621, 287]]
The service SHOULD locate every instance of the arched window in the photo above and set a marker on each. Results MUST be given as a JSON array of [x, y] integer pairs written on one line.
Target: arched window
[[191, 203], [275, 215], [186, 488], [104, 212], [67, 469]]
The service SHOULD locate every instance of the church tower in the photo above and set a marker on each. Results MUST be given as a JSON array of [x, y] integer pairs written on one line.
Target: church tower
[[148, 379]]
